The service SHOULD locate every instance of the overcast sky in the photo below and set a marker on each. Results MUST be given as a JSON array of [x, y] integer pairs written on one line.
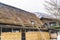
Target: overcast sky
[[28, 5]]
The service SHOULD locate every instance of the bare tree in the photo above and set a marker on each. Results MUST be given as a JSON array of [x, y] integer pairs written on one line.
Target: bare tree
[[53, 7]]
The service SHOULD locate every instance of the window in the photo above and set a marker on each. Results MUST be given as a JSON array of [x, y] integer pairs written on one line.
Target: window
[[32, 22], [53, 24], [27, 30], [6, 30], [16, 30], [45, 25]]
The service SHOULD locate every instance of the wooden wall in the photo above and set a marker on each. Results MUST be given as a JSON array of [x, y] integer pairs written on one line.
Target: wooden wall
[[37, 36], [29, 36], [11, 36]]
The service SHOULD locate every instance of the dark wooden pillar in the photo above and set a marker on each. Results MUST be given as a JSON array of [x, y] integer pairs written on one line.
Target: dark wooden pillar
[[0, 33], [23, 34]]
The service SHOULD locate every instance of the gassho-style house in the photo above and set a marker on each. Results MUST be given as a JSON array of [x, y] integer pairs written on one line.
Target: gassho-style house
[[52, 24], [17, 24]]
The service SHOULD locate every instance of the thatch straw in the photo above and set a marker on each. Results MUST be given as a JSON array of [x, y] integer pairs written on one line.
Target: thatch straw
[[12, 15]]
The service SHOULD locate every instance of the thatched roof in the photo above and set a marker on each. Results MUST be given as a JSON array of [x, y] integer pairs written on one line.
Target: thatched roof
[[12, 15]]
